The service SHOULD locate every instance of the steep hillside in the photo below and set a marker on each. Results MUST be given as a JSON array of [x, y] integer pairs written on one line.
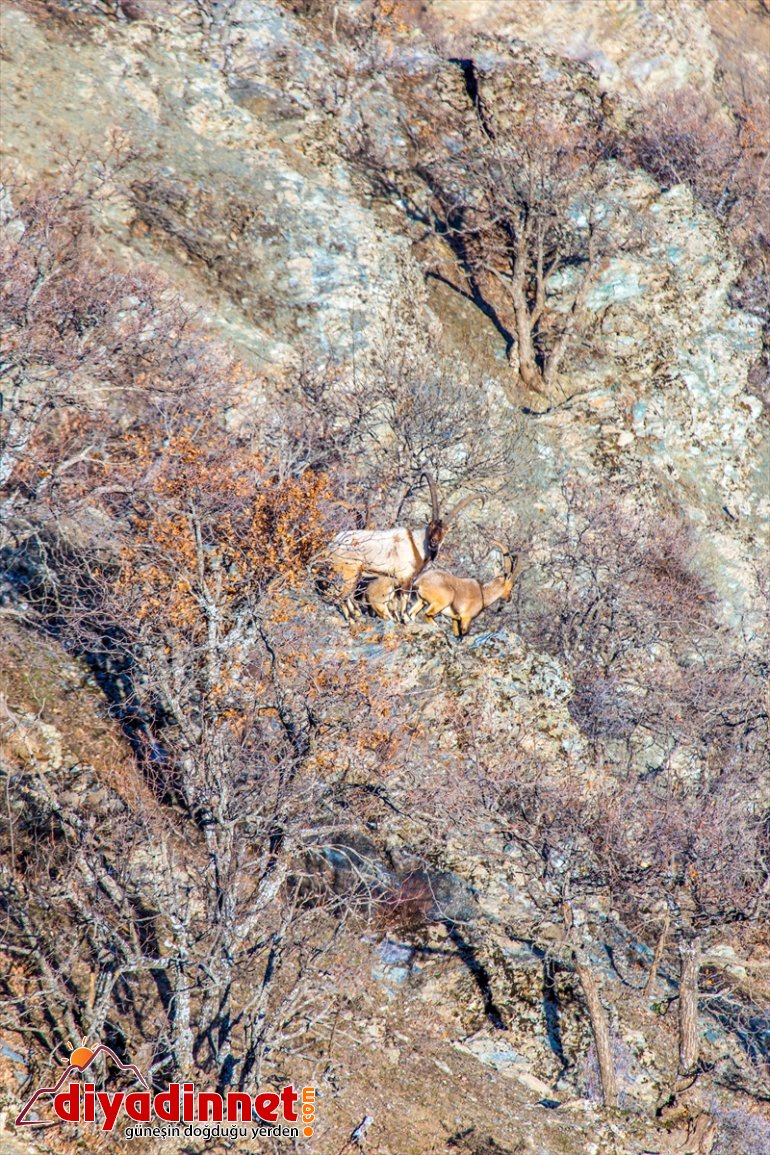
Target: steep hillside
[[279, 268]]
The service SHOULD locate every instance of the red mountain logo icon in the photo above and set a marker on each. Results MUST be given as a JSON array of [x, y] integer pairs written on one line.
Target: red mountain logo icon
[[80, 1060]]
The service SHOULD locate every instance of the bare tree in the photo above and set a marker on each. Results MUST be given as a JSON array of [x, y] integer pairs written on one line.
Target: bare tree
[[87, 349], [392, 413], [697, 850], [517, 214], [519, 202], [191, 935]]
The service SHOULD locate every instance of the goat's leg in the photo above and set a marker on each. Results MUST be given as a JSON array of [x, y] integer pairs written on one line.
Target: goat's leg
[[405, 604], [347, 592], [380, 608], [349, 611], [379, 595], [417, 608], [433, 611]]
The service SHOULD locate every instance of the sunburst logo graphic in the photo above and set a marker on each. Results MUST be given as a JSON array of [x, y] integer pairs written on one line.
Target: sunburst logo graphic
[[80, 1060]]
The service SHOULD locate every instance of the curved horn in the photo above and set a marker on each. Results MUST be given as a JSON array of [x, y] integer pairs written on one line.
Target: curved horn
[[462, 504], [505, 550], [402, 502], [436, 513]]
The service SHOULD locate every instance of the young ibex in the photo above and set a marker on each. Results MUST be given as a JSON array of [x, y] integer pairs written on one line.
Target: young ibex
[[463, 599], [379, 595], [399, 554]]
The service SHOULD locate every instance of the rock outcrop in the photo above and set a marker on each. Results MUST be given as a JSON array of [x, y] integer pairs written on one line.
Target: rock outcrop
[[225, 140]]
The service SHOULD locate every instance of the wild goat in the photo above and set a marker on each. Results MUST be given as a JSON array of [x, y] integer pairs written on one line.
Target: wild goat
[[397, 553], [463, 599], [379, 594]]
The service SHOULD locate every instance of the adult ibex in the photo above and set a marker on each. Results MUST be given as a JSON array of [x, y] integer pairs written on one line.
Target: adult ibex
[[396, 553], [463, 599]]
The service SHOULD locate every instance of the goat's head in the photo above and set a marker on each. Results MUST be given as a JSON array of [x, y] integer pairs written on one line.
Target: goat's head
[[436, 529], [434, 536], [511, 568], [438, 526]]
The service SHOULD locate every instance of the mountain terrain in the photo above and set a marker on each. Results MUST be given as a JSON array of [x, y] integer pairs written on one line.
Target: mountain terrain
[[277, 269]]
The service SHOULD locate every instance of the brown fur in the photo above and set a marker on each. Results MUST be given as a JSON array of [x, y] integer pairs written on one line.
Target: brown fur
[[462, 599]]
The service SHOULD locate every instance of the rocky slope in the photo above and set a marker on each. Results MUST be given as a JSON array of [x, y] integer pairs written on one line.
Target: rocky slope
[[225, 137], [242, 194]]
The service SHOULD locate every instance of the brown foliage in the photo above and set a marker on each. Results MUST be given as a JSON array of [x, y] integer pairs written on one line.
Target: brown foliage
[[176, 528], [88, 350], [206, 526]]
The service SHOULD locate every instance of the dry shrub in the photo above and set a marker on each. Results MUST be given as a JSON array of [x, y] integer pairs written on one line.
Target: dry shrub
[[398, 410], [621, 602], [603, 707], [683, 139], [91, 351], [723, 156], [209, 525], [618, 582], [741, 1130], [408, 908]]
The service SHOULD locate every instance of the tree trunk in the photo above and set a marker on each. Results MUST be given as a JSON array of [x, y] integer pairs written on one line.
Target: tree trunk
[[649, 986], [689, 1042], [599, 1026], [529, 371]]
